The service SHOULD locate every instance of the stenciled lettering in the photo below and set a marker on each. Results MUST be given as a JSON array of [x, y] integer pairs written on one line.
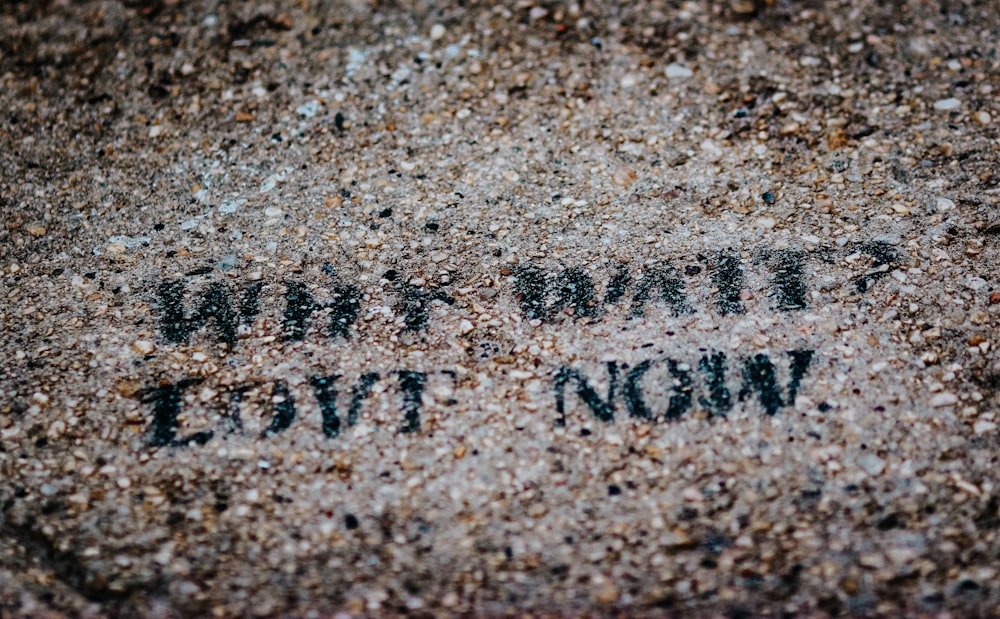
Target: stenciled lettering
[[541, 295], [215, 303], [758, 374]]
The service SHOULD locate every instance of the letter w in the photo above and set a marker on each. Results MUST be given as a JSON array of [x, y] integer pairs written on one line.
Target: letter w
[[215, 303]]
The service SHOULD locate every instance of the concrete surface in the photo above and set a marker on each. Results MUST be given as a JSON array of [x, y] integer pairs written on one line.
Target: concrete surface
[[650, 309]]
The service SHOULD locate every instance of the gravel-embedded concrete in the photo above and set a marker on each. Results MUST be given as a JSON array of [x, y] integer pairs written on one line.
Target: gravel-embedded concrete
[[666, 309]]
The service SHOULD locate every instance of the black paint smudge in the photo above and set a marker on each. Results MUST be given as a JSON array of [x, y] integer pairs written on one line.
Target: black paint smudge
[[412, 385], [670, 285], [284, 410], [791, 290], [713, 367], [728, 278], [885, 259], [759, 375], [415, 303], [327, 398], [166, 400], [574, 288], [801, 359], [344, 306]]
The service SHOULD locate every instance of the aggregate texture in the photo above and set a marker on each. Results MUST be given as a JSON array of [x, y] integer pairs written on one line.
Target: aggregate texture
[[316, 308]]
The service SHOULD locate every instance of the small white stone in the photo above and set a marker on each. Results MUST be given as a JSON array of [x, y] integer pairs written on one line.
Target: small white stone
[[143, 347], [983, 118], [983, 426], [711, 150], [920, 46], [692, 495], [901, 555], [975, 283], [944, 399], [872, 464], [155, 131], [537, 13], [437, 32], [123, 482], [945, 105], [945, 204], [188, 588], [678, 71]]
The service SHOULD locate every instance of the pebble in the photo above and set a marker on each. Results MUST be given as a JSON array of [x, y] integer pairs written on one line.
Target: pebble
[[711, 150], [789, 128], [945, 204], [623, 177], [692, 495], [949, 104], [944, 399], [143, 347], [678, 71], [983, 426], [605, 593], [872, 464], [437, 32]]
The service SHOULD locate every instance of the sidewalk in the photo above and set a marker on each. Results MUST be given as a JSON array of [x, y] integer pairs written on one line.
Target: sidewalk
[[666, 309]]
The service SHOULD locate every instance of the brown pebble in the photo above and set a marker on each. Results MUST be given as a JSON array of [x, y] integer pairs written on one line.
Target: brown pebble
[[606, 593], [995, 298], [836, 139], [849, 586], [128, 388]]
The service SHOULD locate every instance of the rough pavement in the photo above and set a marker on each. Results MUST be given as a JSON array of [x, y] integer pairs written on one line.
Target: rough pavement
[[662, 309]]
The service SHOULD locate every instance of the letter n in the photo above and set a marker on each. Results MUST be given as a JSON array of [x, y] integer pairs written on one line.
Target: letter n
[[603, 409]]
